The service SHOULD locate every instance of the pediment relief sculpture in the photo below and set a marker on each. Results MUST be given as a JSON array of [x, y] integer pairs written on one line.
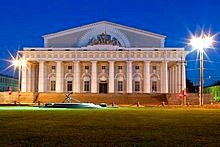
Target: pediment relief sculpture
[[104, 39]]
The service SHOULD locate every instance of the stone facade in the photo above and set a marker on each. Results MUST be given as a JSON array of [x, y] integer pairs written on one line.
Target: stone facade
[[104, 57]]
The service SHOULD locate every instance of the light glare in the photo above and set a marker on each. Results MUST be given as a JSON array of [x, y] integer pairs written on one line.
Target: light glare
[[201, 42]]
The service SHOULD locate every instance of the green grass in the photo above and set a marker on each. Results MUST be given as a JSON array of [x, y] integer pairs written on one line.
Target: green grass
[[25, 126]]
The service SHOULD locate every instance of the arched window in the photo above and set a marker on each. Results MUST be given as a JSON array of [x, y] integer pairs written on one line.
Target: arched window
[[137, 83], [120, 84], [52, 79], [86, 82], [154, 84], [69, 84]]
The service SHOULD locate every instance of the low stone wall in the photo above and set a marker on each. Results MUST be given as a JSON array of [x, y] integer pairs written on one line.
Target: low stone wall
[[26, 97], [191, 99], [120, 99]]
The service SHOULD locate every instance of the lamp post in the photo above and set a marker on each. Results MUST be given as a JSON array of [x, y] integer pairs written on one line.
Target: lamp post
[[200, 43], [19, 62]]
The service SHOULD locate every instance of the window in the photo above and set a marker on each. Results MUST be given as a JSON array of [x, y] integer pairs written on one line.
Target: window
[[120, 85], [86, 86], [136, 67], [86, 67], [119, 67], [103, 67], [52, 85], [53, 67], [69, 67], [154, 86], [69, 85], [154, 68], [137, 86]]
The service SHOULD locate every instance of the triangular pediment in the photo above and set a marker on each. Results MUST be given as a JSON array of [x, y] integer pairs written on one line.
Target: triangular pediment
[[127, 36]]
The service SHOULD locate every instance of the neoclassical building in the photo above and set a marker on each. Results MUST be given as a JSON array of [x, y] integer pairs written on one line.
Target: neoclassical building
[[104, 57]]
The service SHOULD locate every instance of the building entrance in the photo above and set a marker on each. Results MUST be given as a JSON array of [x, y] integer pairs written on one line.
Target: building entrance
[[103, 87]]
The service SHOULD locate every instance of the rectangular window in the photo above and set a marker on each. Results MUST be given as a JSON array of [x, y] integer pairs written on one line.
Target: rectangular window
[[86, 67], [120, 85], [119, 67], [154, 86], [53, 67], [69, 85], [69, 67], [103, 67], [52, 85], [154, 68], [136, 86], [86, 86]]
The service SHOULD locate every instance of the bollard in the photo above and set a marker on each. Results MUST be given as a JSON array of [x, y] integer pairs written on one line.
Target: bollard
[[138, 104], [38, 103], [15, 103], [113, 104], [187, 103]]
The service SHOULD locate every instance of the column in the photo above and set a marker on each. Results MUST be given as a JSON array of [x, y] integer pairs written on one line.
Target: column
[[129, 76], [76, 86], [147, 77], [24, 79], [59, 77], [111, 77], [33, 76], [94, 77], [177, 78], [173, 79], [164, 77], [169, 80], [42, 83], [165, 71], [29, 75], [184, 75]]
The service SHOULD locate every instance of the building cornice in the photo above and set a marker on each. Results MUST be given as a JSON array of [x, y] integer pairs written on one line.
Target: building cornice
[[89, 26], [147, 55]]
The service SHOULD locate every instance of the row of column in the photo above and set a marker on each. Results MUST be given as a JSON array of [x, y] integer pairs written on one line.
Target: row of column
[[42, 81], [177, 78]]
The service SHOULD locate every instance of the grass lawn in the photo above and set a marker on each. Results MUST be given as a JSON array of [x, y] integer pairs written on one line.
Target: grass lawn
[[28, 126]]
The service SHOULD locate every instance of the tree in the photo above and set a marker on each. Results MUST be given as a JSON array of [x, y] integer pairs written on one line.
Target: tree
[[190, 87]]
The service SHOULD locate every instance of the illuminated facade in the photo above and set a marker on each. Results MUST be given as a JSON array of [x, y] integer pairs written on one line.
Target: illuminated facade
[[8, 81], [104, 57]]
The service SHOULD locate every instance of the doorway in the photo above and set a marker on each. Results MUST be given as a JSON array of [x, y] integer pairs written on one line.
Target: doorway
[[103, 87]]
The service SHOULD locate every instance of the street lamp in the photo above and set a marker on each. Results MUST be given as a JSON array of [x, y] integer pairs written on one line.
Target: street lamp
[[200, 43], [19, 62]]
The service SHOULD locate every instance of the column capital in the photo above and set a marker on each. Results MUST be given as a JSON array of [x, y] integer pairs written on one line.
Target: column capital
[[129, 61], [58, 61], [147, 61], [94, 61], [76, 61], [41, 61], [165, 62], [111, 61]]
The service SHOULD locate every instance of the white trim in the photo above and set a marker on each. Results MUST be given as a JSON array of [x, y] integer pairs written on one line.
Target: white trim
[[89, 26]]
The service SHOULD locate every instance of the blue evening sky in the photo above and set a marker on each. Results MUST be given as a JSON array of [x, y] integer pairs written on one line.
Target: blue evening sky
[[23, 22]]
